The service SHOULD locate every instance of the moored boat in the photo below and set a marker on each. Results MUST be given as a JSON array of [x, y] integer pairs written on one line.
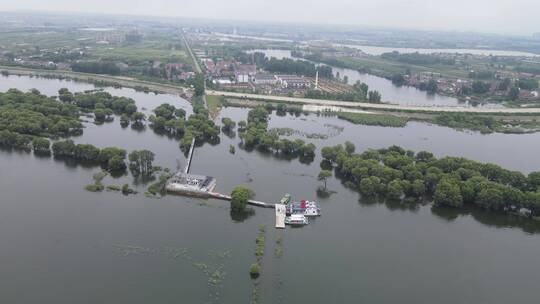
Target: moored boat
[[304, 207], [285, 199], [296, 220]]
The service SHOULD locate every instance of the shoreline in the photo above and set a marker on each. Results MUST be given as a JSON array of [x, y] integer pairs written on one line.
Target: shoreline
[[375, 106], [122, 81], [186, 93]]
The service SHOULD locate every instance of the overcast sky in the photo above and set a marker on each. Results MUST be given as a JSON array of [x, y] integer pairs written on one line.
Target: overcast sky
[[495, 16]]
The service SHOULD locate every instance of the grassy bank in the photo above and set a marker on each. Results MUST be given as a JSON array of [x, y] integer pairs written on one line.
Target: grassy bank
[[383, 120]]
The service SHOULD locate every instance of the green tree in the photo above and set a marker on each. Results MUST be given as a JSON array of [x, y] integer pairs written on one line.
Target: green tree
[[432, 86], [41, 145], [394, 190], [86, 152], [513, 94], [323, 176], [140, 162], [490, 198], [448, 194], [370, 186], [116, 163], [124, 120], [418, 188], [138, 118], [534, 180], [64, 148], [239, 198], [349, 147], [228, 124], [254, 270]]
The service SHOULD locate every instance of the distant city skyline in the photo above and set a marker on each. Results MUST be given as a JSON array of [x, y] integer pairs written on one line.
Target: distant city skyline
[[516, 17]]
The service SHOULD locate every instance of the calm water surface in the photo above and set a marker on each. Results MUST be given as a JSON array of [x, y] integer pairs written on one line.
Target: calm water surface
[[61, 244], [378, 50], [404, 95]]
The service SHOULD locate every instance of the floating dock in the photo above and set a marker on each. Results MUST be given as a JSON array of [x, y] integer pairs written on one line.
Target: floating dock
[[280, 215]]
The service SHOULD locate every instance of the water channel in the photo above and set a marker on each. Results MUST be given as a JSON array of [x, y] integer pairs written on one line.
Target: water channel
[[403, 95]]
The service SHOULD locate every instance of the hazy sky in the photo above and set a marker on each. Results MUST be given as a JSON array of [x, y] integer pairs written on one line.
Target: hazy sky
[[496, 16]]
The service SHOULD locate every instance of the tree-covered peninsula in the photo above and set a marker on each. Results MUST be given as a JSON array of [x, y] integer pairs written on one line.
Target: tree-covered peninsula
[[403, 175]]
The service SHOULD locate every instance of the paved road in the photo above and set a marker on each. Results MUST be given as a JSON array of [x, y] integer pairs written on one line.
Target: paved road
[[375, 106], [195, 62], [197, 67]]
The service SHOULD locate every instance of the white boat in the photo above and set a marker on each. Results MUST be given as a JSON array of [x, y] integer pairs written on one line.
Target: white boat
[[304, 207], [296, 220]]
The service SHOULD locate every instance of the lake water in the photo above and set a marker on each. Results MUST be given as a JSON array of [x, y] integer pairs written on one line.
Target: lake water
[[378, 50], [61, 243], [403, 95]]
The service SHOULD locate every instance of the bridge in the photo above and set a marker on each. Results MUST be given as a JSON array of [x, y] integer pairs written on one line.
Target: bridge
[[190, 156]]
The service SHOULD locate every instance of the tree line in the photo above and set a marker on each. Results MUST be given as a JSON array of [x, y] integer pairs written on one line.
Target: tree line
[[172, 121], [34, 114], [96, 67], [398, 174], [255, 134], [102, 104], [417, 58], [291, 66]]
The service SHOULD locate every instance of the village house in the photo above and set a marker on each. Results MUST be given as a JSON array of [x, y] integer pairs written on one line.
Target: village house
[[293, 82], [264, 79], [243, 72]]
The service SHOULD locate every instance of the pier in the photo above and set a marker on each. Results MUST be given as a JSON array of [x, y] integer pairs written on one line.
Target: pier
[[190, 156], [281, 212]]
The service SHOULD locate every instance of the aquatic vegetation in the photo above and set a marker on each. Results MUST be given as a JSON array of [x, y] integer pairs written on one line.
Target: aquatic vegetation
[[278, 253], [97, 186], [157, 187], [291, 132], [254, 270], [127, 250], [255, 294], [126, 190], [383, 120], [213, 271], [114, 188]]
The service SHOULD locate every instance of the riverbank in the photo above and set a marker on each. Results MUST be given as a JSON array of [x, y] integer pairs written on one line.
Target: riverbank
[[118, 81], [377, 106]]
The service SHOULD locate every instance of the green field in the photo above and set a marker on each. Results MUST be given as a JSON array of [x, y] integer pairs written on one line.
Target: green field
[[141, 51], [387, 68]]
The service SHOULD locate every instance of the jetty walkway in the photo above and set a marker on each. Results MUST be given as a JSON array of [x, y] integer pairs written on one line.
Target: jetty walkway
[[251, 202]]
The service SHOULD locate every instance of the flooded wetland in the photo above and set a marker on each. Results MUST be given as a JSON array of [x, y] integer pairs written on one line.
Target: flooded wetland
[[63, 242]]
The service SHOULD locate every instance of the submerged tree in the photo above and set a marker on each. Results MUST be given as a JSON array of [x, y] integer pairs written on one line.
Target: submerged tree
[[240, 197], [323, 176], [140, 162]]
